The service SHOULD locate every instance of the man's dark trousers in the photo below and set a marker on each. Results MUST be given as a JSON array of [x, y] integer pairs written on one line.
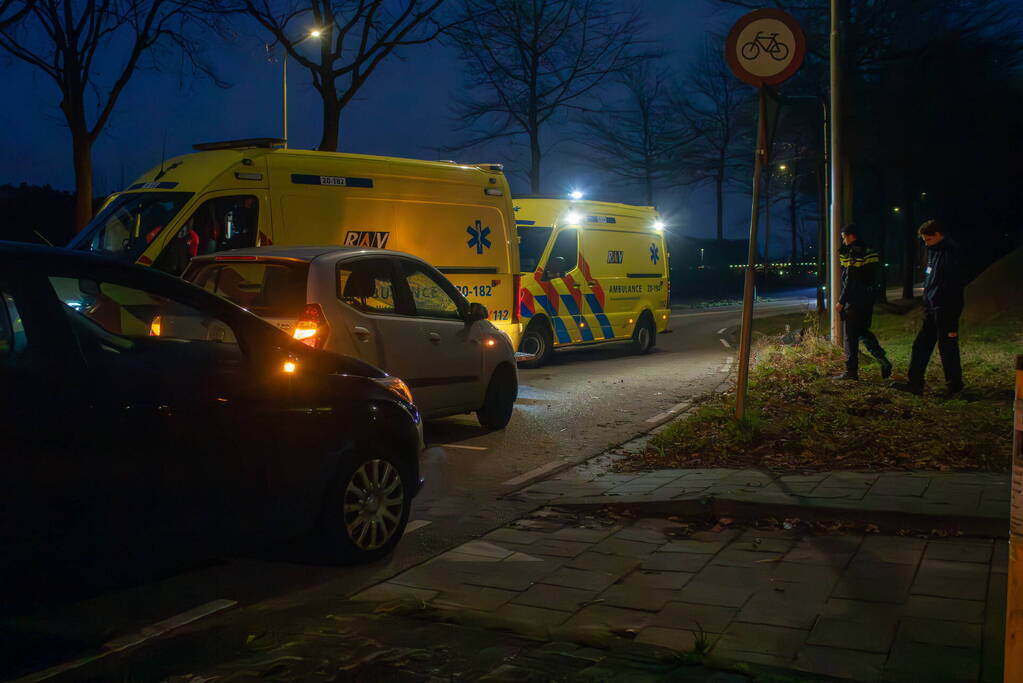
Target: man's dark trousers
[[941, 325], [857, 327]]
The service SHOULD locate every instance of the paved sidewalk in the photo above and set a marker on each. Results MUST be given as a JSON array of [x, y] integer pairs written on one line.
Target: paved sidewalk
[[854, 606], [947, 494]]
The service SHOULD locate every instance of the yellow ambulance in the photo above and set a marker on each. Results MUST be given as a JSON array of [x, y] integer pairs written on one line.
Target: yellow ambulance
[[250, 193], [592, 272]]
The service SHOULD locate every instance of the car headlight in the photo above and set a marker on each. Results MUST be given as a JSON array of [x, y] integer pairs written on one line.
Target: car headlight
[[396, 386]]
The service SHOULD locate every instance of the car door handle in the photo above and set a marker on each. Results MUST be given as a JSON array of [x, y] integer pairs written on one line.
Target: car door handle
[[574, 285], [591, 283], [361, 332], [434, 337]]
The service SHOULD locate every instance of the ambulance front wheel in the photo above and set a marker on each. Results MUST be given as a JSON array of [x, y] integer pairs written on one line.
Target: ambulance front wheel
[[644, 336], [538, 341]]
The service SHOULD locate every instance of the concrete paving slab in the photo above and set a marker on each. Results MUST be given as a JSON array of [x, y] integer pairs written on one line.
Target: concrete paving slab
[[613, 565], [616, 546], [840, 663], [386, 592], [975, 550], [586, 579], [940, 578], [891, 549], [473, 597], [938, 632], [930, 607], [791, 608], [840, 632], [584, 535], [610, 619], [759, 643], [693, 545], [911, 662], [681, 640], [560, 598], [675, 562], [695, 617]]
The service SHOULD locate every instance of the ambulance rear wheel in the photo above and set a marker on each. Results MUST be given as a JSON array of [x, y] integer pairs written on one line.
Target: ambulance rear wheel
[[499, 403], [538, 341], [644, 336]]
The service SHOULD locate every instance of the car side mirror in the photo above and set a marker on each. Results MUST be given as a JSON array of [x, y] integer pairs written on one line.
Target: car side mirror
[[477, 311]]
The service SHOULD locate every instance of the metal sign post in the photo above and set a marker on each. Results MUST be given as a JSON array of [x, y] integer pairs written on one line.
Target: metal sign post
[[765, 47], [1014, 597]]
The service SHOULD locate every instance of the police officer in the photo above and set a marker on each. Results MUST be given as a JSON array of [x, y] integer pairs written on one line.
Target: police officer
[[943, 304], [856, 304]]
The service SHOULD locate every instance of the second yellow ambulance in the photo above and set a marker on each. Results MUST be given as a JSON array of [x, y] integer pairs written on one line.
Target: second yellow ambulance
[[592, 272]]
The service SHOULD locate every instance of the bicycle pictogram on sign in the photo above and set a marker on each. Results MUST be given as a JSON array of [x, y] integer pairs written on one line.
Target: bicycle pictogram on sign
[[768, 43]]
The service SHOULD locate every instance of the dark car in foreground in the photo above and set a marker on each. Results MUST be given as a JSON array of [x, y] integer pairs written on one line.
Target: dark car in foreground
[[146, 423]]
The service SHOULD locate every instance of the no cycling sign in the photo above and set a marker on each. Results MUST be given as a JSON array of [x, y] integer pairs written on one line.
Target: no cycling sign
[[765, 47]]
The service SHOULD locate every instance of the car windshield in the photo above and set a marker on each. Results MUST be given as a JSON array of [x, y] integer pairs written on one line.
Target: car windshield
[[270, 289], [130, 223], [532, 241]]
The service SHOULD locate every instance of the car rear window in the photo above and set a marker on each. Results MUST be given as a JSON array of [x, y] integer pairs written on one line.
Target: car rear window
[[270, 289]]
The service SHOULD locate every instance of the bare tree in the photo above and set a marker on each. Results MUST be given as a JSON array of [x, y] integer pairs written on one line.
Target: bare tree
[[355, 37], [635, 139], [64, 39], [718, 113], [13, 11], [527, 61]]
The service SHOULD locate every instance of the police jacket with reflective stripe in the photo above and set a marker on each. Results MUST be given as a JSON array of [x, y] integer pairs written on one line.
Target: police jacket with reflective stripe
[[943, 279], [859, 274]]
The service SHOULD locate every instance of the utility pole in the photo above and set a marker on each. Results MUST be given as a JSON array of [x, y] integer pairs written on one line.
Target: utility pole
[[834, 242]]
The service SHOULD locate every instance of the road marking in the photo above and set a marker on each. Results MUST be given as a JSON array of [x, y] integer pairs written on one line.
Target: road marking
[[467, 448], [415, 524], [124, 642], [542, 469], [725, 344], [661, 417], [722, 330]]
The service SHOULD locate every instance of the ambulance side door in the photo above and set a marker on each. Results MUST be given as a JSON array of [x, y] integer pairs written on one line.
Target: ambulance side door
[[561, 271]]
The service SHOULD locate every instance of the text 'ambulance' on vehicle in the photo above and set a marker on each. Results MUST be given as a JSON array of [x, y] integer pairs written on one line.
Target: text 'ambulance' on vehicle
[[592, 272], [251, 193]]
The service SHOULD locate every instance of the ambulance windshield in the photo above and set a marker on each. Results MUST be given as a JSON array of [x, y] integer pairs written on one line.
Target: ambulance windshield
[[532, 241], [130, 222]]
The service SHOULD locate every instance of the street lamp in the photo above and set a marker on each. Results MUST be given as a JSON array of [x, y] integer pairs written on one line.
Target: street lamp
[[313, 33]]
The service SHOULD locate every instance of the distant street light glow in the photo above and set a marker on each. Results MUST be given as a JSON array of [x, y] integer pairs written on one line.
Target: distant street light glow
[[783, 167], [315, 33], [576, 194]]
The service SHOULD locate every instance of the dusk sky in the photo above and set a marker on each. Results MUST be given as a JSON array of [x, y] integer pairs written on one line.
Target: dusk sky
[[404, 110]]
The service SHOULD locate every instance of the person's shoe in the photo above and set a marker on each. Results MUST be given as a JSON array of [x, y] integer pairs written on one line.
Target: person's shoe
[[955, 389], [909, 387], [850, 376], [886, 368]]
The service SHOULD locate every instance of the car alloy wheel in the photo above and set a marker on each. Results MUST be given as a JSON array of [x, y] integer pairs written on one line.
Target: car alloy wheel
[[374, 503]]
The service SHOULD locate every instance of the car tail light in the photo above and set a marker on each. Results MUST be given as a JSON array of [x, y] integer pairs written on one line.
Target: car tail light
[[156, 326], [517, 286], [312, 328]]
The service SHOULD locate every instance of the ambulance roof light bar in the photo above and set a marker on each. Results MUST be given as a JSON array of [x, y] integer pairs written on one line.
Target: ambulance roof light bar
[[245, 143]]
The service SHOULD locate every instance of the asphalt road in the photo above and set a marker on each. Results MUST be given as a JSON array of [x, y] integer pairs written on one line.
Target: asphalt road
[[574, 408]]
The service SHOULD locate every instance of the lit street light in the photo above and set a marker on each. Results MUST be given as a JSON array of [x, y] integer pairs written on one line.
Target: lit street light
[[313, 33]]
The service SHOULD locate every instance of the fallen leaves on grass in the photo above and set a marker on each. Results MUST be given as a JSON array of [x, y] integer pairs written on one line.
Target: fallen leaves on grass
[[798, 420]]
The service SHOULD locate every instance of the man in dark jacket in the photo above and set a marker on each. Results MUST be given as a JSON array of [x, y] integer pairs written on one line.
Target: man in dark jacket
[[943, 303], [856, 304]]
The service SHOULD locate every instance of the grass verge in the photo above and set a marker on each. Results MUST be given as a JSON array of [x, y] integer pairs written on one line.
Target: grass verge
[[799, 420]]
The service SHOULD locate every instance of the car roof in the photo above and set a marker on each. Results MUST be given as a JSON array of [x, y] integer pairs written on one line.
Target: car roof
[[29, 258], [307, 254]]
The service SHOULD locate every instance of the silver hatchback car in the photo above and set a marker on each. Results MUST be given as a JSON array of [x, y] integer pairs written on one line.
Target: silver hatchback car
[[390, 309]]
